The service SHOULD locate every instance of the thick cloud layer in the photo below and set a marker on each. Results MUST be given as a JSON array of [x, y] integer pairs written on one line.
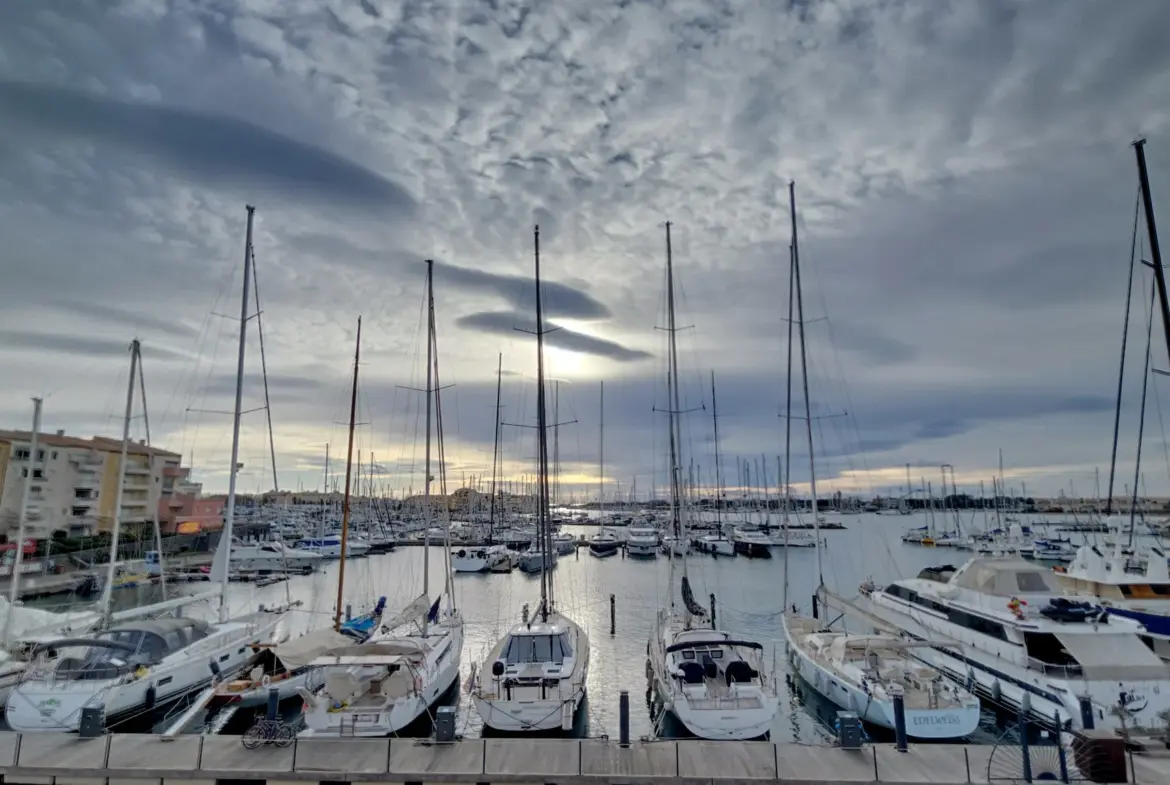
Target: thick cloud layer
[[965, 188]]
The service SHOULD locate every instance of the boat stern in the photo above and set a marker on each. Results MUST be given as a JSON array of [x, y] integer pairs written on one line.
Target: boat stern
[[35, 706]]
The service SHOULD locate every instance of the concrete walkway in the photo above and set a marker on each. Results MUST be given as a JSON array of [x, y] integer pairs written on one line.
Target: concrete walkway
[[54, 759]]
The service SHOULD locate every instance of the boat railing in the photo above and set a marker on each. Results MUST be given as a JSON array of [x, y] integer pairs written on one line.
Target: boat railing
[[1060, 671]]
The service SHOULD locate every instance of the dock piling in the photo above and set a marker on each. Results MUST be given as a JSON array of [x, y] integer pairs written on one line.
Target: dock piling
[[612, 615], [348, 612], [713, 611], [624, 718], [273, 707], [900, 721], [1025, 753]]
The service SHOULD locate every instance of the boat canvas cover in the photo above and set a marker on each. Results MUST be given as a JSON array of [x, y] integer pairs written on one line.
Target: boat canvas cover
[[413, 612], [301, 651], [1113, 656], [385, 652]]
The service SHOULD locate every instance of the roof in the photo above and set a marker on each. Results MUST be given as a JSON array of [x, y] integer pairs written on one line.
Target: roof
[[96, 443]]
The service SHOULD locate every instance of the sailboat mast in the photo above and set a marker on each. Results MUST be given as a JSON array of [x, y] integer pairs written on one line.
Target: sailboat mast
[[495, 451], [601, 462], [357, 353], [718, 471], [788, 418], [25, 496], [804, 381], [230, 514], [675, 435], [427, 461], [1139, 148], [111, 573], [542, 522]]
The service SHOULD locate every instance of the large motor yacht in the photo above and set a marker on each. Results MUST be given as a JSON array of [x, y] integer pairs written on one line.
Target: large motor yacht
[[1004, 629]]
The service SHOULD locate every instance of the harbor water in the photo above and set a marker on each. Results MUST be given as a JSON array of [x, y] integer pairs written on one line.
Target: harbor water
[[750, 596]]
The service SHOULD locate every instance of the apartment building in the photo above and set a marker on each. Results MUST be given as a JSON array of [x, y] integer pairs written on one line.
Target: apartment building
[[75, 483]]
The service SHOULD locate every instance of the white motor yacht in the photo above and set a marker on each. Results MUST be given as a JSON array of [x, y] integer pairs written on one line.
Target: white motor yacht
[[329, 546], [863, 673], [274, 556], [1007, 631], [753, 544], [675, 546], [604, 544], [486, 558], [715, 544], [534, 677], [642, 541]]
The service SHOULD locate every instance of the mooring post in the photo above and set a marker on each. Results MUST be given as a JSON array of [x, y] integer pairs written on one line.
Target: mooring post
[[612, 615], [273, 704], [1025, 709], [1060, 751], [815, 607], [899, 718], [624, 718], [713, 611], [348, 611]]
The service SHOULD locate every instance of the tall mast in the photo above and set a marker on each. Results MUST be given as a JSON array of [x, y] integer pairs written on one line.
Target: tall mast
[[357, 353], [812, 467], [433, 337], [1139, 148], [111, 573], [427, 464], [601, 462], [264, 376], [718, 471], [496, 450], [230, 514], [25, 496], [788, 419], [542, 522], [676, 505]]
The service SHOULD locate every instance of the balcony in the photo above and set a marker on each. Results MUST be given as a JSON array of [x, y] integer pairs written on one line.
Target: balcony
[[174, 471], [136, 482], [136, 469], [32, 512], [86, 461]]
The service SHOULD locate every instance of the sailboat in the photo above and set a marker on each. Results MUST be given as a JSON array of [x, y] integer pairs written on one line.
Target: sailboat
[[533, 679], [379, 687], [712, 681], [861, 673], [604, 543], [132, 666]]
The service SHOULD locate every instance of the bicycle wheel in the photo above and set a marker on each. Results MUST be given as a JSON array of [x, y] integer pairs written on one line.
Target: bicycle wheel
[[285, 735], [255, 736]]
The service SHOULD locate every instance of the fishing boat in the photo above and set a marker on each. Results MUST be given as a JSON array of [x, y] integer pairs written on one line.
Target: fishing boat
[[711, 681], [534, 677], [401, 673]]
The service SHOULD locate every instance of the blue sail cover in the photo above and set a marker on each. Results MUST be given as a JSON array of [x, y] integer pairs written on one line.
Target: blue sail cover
[[362, 627]]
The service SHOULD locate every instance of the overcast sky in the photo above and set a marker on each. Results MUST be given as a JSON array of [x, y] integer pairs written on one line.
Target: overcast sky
[[965, 186]]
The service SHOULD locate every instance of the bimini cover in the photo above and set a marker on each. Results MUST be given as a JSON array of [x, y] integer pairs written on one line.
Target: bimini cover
[[1113, 656], [299, 652]]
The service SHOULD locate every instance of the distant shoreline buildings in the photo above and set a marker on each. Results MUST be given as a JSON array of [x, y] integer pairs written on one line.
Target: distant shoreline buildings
[[75, 484]]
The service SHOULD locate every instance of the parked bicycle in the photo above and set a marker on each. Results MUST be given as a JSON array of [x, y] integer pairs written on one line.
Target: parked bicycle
[[267, 731]]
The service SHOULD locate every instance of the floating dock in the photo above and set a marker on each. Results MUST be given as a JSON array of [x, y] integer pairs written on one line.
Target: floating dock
[[128, 759]]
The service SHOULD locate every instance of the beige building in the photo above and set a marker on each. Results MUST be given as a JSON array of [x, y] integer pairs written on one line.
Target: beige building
[[75, 483]]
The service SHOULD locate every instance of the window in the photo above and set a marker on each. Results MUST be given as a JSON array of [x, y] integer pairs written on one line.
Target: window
[[78, 512], [21, 454], [536, 648], [1031, 582], [53, 455], [38, 474]]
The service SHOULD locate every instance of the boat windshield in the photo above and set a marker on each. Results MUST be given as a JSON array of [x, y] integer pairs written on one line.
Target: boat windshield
[[105, 662], [524, 649]]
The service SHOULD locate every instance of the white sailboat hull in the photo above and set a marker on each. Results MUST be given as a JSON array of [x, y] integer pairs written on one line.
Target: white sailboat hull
[[431, 683], [54, 705], [535, 707], [937, 724], [704, 709]]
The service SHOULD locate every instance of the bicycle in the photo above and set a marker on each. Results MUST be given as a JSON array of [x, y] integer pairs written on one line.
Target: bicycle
[[267, 731]]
